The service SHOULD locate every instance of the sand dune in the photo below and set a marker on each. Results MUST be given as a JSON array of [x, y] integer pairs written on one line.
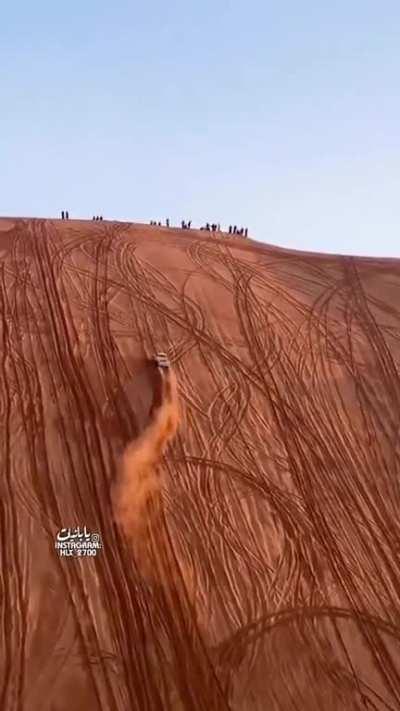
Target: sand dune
[[257, 564]]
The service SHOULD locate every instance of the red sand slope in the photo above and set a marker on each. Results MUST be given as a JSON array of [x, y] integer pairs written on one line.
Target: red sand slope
[[266, 577]]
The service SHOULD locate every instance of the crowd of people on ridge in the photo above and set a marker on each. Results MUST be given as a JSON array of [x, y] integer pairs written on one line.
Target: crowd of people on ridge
[[243, 232], [65, 216], [213, 227], [185, 225]]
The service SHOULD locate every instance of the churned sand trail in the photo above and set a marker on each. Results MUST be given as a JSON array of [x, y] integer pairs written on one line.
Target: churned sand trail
[[138, 488]]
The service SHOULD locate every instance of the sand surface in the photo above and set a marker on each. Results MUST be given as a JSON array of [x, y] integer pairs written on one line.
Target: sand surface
[[272, 578]]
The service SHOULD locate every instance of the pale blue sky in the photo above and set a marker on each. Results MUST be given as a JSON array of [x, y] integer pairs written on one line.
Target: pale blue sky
[[280, 116]]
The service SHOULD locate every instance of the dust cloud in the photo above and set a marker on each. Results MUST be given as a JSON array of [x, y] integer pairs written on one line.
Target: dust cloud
[[136, 496]]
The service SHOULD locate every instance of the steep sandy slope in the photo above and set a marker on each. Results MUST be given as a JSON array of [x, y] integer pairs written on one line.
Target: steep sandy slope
[[264, 574]]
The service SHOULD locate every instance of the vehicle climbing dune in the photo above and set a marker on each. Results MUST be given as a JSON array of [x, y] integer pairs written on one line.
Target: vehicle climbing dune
[[137, 491]]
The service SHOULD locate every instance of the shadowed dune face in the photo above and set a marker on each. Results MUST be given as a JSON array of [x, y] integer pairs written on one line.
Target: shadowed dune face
[[251, 554]]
